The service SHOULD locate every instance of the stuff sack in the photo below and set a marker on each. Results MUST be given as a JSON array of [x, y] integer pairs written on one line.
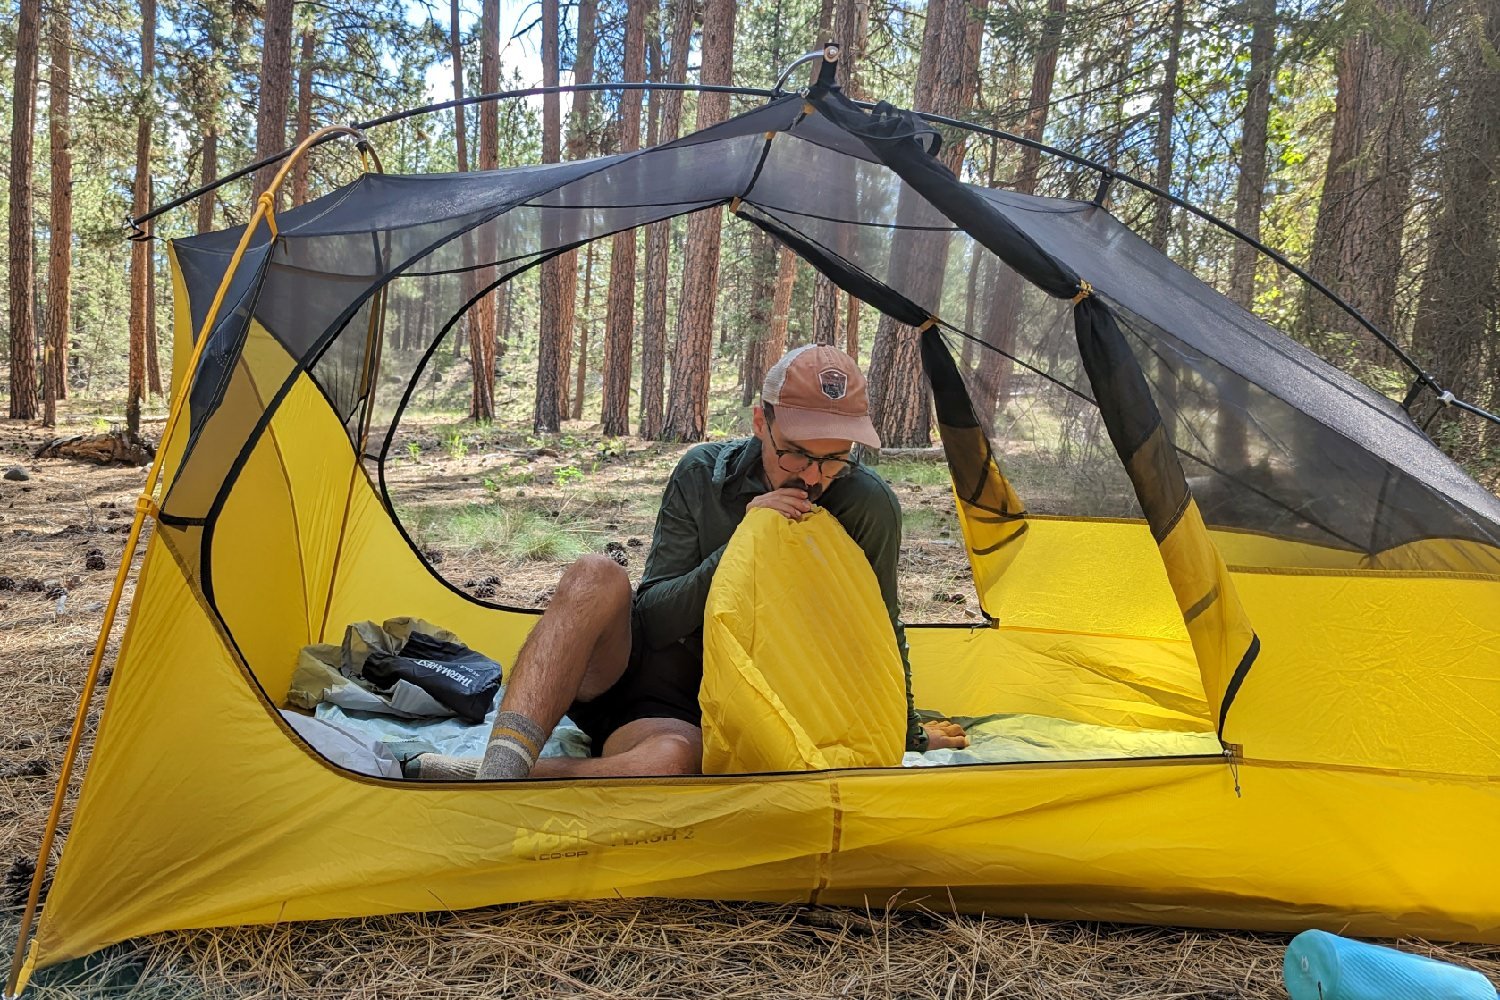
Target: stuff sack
[[453, 674], [403, 667]]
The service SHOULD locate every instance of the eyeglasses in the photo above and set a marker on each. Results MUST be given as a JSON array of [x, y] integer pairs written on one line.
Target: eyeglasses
[[795, 460]]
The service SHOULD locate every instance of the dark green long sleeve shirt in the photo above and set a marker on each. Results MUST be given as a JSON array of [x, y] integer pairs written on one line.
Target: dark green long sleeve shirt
[[703, 505]]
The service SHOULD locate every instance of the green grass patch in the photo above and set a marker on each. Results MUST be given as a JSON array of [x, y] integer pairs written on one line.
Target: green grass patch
[[920, 521], [511, 532], [903, 470]]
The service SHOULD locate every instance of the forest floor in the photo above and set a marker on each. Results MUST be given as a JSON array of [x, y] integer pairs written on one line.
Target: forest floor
[[503, 512]]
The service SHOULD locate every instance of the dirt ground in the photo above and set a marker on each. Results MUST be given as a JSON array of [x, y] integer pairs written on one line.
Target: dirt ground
[[62, 532]]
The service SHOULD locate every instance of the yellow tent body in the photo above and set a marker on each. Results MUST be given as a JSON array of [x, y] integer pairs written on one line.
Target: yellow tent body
[[1354, 782]]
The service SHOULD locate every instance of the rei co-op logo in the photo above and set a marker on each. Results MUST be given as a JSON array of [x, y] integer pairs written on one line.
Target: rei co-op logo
[[833, 382], [568, 839], [557, 840]]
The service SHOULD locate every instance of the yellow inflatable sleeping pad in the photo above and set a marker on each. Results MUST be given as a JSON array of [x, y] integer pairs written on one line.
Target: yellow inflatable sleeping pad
[[800, 666]]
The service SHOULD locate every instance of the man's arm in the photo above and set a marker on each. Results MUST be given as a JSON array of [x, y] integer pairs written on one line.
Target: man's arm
[[674, 588]]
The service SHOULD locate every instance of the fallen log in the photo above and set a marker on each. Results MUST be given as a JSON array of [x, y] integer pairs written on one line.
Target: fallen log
[[102, 449]]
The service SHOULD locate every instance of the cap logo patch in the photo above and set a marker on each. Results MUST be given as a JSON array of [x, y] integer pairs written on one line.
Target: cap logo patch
[[833, 382]]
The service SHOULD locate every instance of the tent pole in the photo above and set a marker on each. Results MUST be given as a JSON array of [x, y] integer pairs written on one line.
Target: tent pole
[[265, 208]]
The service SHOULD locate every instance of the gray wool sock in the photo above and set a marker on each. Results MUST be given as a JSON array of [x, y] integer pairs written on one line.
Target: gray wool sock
[[441, 767], [515, 744]]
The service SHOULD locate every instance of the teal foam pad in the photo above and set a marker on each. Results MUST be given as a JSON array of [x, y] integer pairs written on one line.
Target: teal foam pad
[[1323, 966]]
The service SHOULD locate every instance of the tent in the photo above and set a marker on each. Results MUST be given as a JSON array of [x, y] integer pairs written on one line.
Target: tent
[[1297, 571]]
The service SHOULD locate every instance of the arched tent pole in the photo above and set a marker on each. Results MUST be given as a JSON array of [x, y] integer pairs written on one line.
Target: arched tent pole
[[265, 209], [1107, 176]]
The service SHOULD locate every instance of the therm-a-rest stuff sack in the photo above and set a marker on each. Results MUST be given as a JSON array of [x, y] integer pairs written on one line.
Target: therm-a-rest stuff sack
[[455, 675]]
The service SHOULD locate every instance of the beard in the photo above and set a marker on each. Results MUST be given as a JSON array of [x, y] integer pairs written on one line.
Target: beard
[[813, 491]]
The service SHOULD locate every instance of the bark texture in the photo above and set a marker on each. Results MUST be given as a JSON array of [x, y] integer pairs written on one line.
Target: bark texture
[[483, 317], [1357, 240], [275, 88], [683, 14], [577, 149], [60, 259], [1002, 318], [619, 319], [1231, 443], [22, 239], [687, 407], [1455, 323], [547, 414], [306, 56], [140, 251]]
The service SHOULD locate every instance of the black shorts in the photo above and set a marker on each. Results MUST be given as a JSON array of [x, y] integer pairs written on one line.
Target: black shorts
[[656, 684]]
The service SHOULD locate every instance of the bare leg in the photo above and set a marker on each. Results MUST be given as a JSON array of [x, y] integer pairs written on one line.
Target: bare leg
[[579, 648], [642, 747]]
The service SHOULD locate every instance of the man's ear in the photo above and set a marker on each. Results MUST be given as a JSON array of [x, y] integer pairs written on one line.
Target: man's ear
[[758, 421]]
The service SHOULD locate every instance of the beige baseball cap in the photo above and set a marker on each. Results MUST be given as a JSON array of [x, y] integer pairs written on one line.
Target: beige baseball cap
[[819, 392]]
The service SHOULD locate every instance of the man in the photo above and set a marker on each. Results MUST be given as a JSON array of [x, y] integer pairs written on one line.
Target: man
[[627, 668]]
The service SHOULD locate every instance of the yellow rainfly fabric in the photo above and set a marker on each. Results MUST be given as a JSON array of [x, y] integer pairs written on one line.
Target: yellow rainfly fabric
[[800, 666], [1222, 636]]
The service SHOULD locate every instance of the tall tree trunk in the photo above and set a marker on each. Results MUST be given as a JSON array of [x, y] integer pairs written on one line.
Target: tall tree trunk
[[767, 257], [208, 173], [275, 88], [22, 279], [483, 333], [825, 316], [1166, 377], [1231, 442], [1456, 312], [153, 340], [304, 111], [140, 251], [781, 308], [577, 149], [460, 115], [1166, 116], [461, 142], [60, 261], [825, 325], [683, 13], [687, 407], [585, 320], [547, 417], [619, 318], [852, 29], [1357, 240], [946, 81]]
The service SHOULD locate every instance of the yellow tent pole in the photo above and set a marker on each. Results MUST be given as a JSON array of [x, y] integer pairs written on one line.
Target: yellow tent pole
[[265, 208]]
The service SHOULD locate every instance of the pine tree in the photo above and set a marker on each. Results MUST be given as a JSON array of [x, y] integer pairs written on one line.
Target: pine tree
[[275, 88], [682, 15], [619, 323], [687, 407], [22, 289], [547, 415], [60, 261], [141, 275]]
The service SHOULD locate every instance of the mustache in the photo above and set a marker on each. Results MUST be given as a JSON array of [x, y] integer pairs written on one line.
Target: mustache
[[813, 491]]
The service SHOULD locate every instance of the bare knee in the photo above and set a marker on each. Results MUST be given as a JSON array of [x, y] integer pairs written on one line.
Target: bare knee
[[594, 581], [675, 754]]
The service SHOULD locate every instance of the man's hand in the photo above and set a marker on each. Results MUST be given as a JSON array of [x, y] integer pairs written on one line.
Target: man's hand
[[945, 736], [788, 501]]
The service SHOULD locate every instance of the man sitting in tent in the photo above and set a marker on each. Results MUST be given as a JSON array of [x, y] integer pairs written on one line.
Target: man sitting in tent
[[627, 668]]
